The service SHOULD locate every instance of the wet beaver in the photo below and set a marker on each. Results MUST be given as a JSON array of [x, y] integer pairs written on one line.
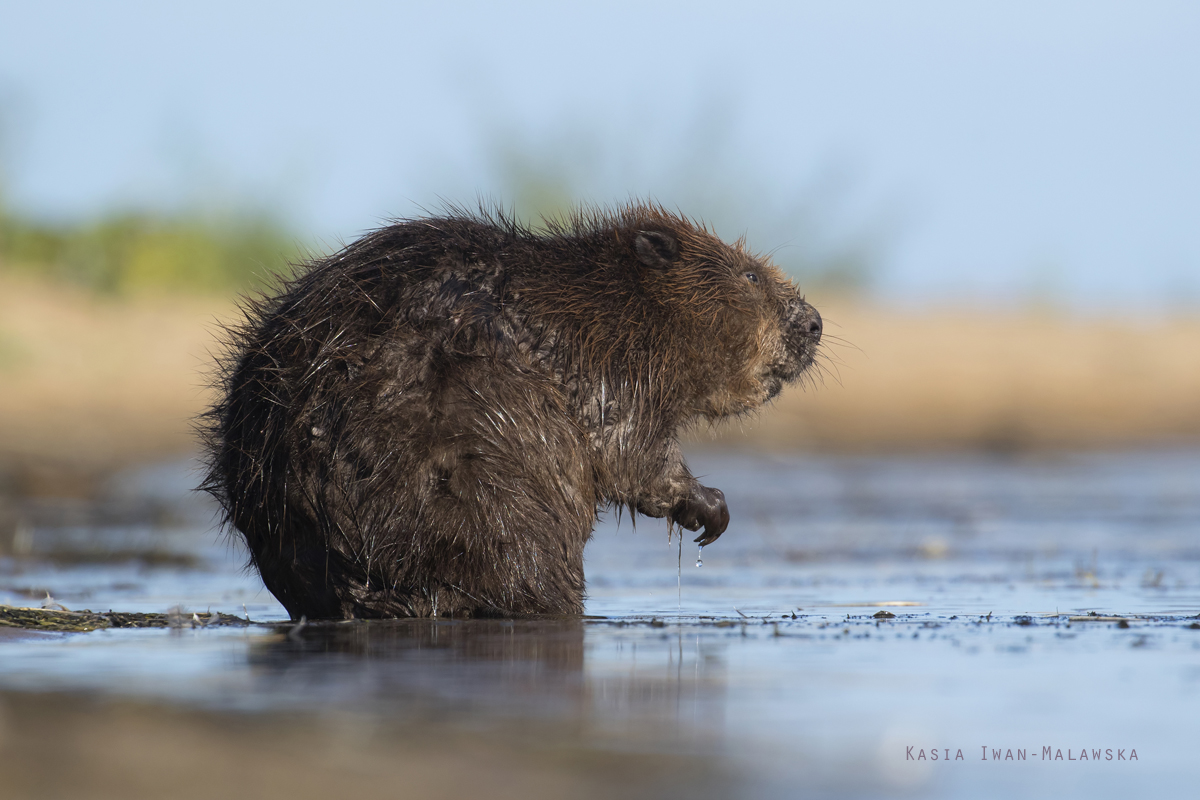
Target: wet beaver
[[427, 422]]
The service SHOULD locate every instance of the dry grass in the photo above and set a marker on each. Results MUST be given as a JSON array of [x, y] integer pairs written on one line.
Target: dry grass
[[907, 379], [94, 381], [88, 382]]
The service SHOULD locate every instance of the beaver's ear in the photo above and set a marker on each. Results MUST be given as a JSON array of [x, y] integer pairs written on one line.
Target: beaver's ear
[[656, 250]]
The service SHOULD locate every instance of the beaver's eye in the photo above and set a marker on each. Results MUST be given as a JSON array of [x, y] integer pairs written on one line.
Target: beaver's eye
[[752, 277]]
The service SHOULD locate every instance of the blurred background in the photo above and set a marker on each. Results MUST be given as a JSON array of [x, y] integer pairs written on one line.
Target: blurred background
[[994, 205]]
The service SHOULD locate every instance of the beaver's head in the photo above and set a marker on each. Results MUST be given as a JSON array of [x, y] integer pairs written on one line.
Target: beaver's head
[[751, 329]]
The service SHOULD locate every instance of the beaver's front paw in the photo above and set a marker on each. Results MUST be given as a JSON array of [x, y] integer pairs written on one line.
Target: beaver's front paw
[[705, 507]]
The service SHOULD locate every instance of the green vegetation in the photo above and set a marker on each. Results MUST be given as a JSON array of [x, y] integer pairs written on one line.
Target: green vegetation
[[138, 251]]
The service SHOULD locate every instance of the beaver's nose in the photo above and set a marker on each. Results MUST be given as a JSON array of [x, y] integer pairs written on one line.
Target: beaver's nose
[[813, 325]]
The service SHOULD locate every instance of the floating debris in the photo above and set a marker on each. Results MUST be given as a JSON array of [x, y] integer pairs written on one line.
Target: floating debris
[[51, 603], [53, 619]]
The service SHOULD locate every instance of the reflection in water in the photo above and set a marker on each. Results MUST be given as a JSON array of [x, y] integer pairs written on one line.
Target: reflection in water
[[600, 680], [409, 665]]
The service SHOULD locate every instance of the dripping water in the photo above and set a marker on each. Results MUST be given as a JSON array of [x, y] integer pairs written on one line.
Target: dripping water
[[679, 577]]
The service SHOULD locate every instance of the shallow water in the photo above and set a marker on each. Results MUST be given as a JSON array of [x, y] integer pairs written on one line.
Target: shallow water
[[767, 662]]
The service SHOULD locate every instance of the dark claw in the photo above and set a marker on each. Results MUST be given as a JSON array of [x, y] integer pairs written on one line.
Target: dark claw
[[706, 507]]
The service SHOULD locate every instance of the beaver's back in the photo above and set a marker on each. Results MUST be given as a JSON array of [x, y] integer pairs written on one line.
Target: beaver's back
[[425, 422], [384, 410]]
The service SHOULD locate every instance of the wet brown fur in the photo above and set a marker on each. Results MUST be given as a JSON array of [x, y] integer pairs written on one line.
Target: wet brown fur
[[427, 422]]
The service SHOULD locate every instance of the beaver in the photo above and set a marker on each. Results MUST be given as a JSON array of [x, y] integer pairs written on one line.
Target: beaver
[[428, 422]]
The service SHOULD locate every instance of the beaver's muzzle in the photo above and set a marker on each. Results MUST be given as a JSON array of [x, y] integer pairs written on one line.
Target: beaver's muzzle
[[802, 333]]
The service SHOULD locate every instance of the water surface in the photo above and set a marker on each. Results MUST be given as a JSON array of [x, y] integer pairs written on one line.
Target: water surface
[[765, 671]]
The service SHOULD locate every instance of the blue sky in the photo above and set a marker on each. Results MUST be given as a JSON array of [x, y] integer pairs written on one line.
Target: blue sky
[[988, 151]]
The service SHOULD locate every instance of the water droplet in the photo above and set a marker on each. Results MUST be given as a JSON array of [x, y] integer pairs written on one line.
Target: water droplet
[[700, 552]]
